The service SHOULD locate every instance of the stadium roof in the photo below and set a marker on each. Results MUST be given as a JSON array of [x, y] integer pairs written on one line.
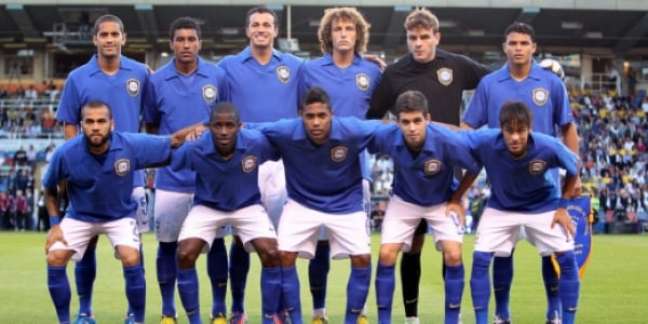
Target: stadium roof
[[620, 26]]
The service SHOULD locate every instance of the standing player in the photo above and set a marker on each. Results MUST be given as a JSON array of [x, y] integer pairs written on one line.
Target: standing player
[[324, 183], [349, 80], [182, 93], [100, 195], [226, 161], [118, 81], [442, 77], [425, 156], [521, 79], [262, 84], [523, 194]]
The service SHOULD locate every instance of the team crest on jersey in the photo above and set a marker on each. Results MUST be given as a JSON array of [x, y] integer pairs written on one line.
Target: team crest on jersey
[[362, 81], [431, 167], [283, 73], [122, 166], [248, 163], [133, 87], [540, 96], [209, 93], [537, 167], [339, 153], [445, 76]]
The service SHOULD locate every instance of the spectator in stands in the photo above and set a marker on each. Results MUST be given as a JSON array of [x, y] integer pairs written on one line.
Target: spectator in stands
[[22, 212], [4, 210]]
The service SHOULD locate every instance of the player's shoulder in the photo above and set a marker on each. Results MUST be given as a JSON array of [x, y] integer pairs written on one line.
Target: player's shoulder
[[289, 59], [545, 141], [70, 145], [82, 71], [163, 72], [401, 63]]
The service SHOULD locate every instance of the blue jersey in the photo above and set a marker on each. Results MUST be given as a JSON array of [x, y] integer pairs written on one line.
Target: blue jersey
[[323, 177], [349, 88], [427, 178], [221, 184], [124, 92], [179, 101], [522, 184], [542, 91], [263, 93], [100, 191]]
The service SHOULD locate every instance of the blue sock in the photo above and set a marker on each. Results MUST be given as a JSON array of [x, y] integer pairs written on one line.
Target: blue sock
[[502, 278], [385, 283], [136, 290], [480, 285], [85, 272], [357, 290], [290, 289], [551, 288], [454, 285], [318, 269], [59, 288], [270, 291], [217, 271], [166, 267], [569, 286], [188, 289], [238, 271]]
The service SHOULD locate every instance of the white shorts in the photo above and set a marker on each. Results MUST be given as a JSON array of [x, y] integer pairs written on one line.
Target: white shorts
[[171, 209], [77, 233], [366, 202], [299, 229], [498, 231], [402, 218], [249, 223], [272, 185], [141, 216]]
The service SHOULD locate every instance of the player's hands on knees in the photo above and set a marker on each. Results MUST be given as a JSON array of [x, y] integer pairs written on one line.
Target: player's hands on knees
[[54, 235], [455, 210], [562, 218]]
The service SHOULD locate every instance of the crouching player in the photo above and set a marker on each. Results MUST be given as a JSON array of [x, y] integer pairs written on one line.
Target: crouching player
[[424, 157], [226, 160], [98, 168], [523, 195]]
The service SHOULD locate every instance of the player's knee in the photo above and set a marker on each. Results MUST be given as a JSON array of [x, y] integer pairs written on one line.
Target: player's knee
[[361, 261], [57, 258], [130, 259], [388, 256], [452, 257], [186, 257]]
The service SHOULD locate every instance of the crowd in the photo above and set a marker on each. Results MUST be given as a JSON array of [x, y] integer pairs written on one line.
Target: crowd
[[28, 111]]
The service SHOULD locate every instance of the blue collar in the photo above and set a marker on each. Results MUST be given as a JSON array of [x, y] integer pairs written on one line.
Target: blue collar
[[246, 54], [95, 68], [115, 144], [503, 73], [208, 147], [172, 72], [427, 145], [327, 59]]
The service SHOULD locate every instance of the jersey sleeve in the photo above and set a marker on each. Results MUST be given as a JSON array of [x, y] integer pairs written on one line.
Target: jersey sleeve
[[477, 113], [55, 171], [150, 150], [473, 140], [181, 157], [69, 106], [303, 83], [562, 112], [378, 144], [382, 99], [458, 152], [365, 130], [267, 150], [565, 158], [150, 109], [473, 72]]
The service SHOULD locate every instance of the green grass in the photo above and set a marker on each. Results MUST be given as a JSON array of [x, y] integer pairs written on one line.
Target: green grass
[[615, 289]]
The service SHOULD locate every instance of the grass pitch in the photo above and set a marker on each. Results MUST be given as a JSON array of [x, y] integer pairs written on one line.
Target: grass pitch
[[615, 288]]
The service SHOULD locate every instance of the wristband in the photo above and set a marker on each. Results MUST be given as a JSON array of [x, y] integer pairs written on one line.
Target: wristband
[[55, 220], [563, 203]]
